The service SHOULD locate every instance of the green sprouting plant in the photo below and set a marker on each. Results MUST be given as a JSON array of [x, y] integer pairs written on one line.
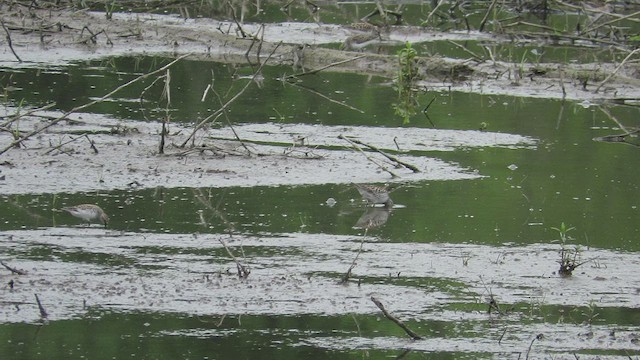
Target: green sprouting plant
[[568, 256], [563, 232], [591, 313], [405, 82], [109, 8]]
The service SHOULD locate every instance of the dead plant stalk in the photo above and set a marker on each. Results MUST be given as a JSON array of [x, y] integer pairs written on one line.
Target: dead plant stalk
[[91, 103]]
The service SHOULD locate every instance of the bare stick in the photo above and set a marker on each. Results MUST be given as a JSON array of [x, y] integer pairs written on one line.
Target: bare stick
[[29, 112], [228, 103], [57, 147], [233, 130], [486, 16], [390, 157], [325, 97], [355, 146], [347, 275], [43, 312], [475, 56], [616, 69], [243, 272], [92, 143], [81, 107], [167, 117], [397, 321], [538, 337], [564, 90], [314, 71], [9, 40], [630, 16], [441, 2], [12, 269]]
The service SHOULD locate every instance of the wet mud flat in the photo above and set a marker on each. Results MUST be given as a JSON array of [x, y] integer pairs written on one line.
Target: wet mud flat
[[77, 271], [115, 155], [81, 35]]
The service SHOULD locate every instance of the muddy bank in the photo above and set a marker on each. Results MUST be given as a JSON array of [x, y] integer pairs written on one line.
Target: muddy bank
[[49, 37], [88, 270], [114, 155]]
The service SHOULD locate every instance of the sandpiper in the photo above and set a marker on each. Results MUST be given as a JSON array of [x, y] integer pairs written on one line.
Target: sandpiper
[[364, 27], [359, 41], [375, 194], [88, 213]]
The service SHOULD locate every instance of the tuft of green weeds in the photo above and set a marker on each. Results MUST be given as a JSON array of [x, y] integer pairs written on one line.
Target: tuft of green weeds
[[405, 83], [568, 255]]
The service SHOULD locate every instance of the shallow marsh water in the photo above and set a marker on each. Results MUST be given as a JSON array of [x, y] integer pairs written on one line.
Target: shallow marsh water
[[476, 225]]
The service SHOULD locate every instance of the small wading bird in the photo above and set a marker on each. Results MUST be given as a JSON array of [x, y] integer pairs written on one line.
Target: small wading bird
[[375, 194], [88, 213]]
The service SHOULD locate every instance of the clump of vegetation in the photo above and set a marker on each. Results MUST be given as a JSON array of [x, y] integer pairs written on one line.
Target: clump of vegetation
[[568, 255], [405, 83]]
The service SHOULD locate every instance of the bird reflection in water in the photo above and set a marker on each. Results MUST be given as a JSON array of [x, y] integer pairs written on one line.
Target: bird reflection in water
[[373, 218]]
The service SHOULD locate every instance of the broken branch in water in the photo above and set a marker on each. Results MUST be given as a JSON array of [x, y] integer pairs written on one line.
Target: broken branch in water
[[614, 72], [397, 321], [347, 275], [9, 40], [90, 103], [243, 272], [12, 269], [224, 107], [355, 146], [325, 97], [390, 157], [315, 71], [43, 312]]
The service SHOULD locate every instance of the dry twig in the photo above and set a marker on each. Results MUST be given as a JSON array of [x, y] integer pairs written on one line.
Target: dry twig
[[12, 269], [43, 312], [224, 107], [390, 157], [243, 271], [91, 103]]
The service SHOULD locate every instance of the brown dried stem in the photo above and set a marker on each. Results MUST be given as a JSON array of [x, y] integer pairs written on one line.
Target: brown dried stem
[[390, 157], [355, 146], [43, 312], [91, 103], [224, 107], [12, 269], [9, 40], [243, 271], [615, 71]]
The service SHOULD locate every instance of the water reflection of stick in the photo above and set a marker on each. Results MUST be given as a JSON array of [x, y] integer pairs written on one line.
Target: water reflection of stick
[[90, 103], [347, 275], [397, 321]]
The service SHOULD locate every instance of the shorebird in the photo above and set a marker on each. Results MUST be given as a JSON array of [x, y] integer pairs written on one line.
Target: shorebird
[[364, 27], [359, 41], [375, 194], [88, 213]]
